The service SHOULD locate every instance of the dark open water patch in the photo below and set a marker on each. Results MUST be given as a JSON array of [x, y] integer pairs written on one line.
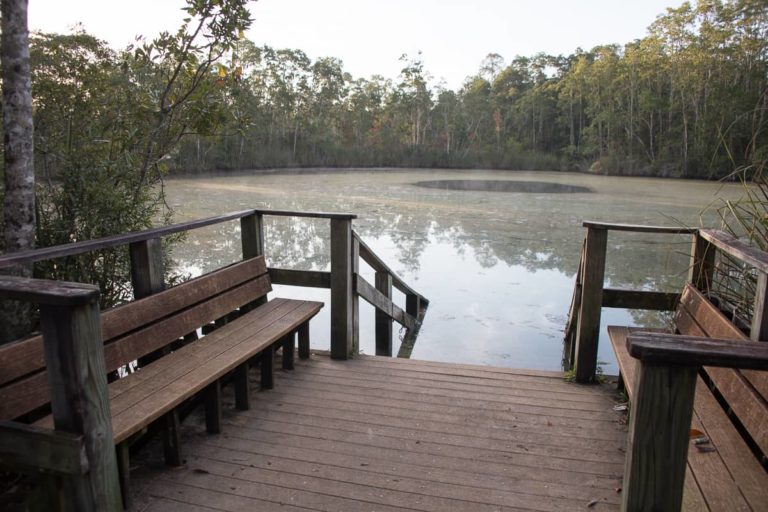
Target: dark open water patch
[[530, 187]]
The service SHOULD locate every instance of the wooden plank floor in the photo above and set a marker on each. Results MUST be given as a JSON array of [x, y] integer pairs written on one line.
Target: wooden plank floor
[[391, 434]]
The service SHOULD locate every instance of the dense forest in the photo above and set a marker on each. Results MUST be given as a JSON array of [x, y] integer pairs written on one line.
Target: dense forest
[[687, 100]]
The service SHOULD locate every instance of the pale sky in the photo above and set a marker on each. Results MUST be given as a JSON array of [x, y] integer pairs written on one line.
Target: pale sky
[[370, 35]]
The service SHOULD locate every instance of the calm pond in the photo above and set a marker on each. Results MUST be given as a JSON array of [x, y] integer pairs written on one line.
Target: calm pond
[[498, 266]]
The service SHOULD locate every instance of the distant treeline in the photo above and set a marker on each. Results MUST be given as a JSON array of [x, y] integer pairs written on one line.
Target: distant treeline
[[688, 100]]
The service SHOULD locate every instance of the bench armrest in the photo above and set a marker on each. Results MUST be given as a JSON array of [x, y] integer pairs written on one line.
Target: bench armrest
[[44, 291], [682, 350]]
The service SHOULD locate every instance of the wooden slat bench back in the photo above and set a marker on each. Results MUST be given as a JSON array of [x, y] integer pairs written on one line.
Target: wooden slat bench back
[[740, 389], [135, 329], [132, 331], [731, 477]]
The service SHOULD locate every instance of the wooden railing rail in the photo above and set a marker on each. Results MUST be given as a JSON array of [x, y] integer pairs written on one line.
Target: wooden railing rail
[[145, 249], [582, 328], [639, 228], [370, 257], [75, 248], [81, 447], [380, 297], [80, 450]]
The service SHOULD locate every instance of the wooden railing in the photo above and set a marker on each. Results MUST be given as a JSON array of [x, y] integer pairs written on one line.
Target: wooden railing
[[75, 451], [343, 280], [380, 297], [590, 296]]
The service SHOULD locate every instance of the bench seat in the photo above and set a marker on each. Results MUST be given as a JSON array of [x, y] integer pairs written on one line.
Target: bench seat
[[724, 474], [156, 389], [148, 332]]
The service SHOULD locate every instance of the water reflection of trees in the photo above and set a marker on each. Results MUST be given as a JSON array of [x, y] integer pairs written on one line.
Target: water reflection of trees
[[652, 262]]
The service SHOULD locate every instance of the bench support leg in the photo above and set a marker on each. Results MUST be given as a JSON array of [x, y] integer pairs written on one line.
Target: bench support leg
[[171, 441], [657, 444], [288, 348], [304, 341], [213, 407], [124, 471], [266, 366], [242, 389]]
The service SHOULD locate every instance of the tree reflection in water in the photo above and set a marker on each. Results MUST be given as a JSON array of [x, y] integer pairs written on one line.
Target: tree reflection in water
[[498, 267]]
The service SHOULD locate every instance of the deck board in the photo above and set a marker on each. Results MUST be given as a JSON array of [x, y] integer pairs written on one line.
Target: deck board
[[386, 434]]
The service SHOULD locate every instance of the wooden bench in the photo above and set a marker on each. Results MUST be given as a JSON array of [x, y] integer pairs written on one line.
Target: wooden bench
[[730, 410], [250, 329]]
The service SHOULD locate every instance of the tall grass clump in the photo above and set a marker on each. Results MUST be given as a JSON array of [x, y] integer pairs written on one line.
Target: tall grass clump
[[734, 283]]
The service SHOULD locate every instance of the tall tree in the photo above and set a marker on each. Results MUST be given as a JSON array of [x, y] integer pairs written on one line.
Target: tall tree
[[19, 177]]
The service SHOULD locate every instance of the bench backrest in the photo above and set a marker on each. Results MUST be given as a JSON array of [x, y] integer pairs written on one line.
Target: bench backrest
[[135, 329], [745, 391]]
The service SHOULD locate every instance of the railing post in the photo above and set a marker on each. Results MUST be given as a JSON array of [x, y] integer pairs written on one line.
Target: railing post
[[252, 240], [252, 235], [74, 357], [588, 330], [383, 320], [702, 264], [355, 255], [341, 289], [759, 328], [657, 444], [146, 267]]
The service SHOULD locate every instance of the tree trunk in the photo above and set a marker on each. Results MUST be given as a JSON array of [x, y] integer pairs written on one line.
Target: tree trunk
[[19, 194]]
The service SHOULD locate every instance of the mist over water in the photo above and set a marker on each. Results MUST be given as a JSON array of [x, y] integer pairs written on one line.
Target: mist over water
[[497, 266]]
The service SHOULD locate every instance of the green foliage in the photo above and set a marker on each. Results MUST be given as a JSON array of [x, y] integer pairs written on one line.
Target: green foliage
[[107, 123], [734, 284], [688, 100]]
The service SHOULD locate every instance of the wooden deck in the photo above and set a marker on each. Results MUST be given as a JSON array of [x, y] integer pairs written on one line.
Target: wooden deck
[[386, 434]]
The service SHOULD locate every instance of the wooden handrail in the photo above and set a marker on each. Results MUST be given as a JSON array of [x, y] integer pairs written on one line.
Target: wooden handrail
[[44, 291], [594, 295], [638, 228], [676, 349], [376, 299], [60, 251], [147, 267], [736, 248], [370, 257]]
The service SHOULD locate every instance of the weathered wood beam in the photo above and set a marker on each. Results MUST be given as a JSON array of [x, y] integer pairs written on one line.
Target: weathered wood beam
[[342, 335], [54, 293], [59, 251], [759, 329], [702, 265], [376, 263], [304, 341], [588, 329], [378, 300], [383, 321], [637, 228], [146, 267], [305, 278], [639, 299], [657, 442], [739, 249], [409, 340], [74, 358], [677, 349], [355, 262], [30, 447], [662, 408], [252, 235]]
